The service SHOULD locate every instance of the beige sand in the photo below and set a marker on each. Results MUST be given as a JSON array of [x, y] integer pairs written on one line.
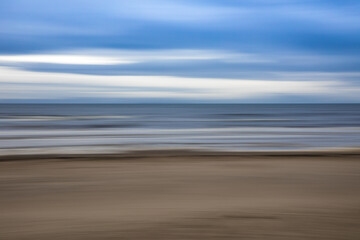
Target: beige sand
[[180, 195]]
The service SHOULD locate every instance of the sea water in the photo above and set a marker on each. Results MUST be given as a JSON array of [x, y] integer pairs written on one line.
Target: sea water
[[87, 128]]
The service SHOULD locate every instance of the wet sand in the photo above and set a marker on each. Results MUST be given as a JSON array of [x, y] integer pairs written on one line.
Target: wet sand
[[181, 195]]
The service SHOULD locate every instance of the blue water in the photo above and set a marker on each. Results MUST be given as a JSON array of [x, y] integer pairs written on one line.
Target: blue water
[[42, 128]]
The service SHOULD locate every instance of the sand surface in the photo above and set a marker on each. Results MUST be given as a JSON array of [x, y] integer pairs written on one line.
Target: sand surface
[[180, 196]]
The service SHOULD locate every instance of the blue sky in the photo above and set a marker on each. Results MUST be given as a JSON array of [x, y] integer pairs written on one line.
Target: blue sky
[[180, 51]]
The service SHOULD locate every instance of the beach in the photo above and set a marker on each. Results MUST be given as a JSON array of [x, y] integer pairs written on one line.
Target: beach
[[181, 195], [179, 120]]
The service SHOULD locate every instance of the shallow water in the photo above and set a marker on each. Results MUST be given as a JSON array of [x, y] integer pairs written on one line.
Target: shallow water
[[44, 128]]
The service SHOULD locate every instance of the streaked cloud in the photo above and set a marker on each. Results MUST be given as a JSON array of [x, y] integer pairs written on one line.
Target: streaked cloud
[[266, 48], [62, 59], [121, 56], [24, 84]]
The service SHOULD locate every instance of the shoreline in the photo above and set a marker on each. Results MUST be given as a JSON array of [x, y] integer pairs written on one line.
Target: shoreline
[[181, 153]]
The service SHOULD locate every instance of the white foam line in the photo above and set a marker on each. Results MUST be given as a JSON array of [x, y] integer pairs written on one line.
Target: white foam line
[[176, 131]]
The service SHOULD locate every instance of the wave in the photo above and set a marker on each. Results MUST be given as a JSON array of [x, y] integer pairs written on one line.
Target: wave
[[61, 118]]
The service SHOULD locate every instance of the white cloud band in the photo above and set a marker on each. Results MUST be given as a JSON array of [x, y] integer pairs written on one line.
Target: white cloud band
[[24, 84]]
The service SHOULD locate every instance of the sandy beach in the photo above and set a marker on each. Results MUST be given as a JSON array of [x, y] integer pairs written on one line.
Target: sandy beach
[[181, 195]]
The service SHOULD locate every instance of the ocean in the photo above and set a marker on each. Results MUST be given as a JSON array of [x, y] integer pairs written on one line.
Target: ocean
[[99, 128]]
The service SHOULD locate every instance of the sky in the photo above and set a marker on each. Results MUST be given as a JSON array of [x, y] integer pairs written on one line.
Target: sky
[[179, 51]]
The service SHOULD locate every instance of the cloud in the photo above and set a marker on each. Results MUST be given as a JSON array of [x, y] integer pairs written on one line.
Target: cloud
[[204, 63], [275, 43], [122, 56], [62, 59], [17, 84]]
